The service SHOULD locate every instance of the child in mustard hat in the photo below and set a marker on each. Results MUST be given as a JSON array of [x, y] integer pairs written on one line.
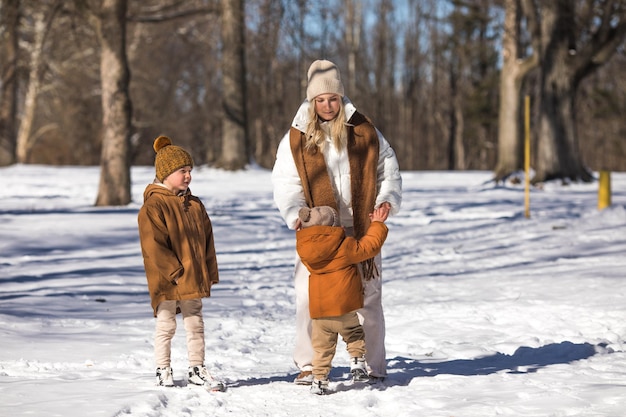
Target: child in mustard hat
[[178, 251]]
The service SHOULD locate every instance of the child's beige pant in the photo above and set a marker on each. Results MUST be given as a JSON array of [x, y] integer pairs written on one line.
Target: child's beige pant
[[166, 327], [371, 316], [324, 335]]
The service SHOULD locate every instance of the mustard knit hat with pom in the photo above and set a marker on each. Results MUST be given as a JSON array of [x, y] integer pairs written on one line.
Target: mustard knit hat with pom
[[169, 158]]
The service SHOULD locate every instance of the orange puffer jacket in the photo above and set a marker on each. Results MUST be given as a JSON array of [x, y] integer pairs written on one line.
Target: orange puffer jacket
[[331, 257]]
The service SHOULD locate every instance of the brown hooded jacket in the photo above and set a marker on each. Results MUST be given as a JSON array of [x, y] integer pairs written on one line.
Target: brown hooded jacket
[[177, 246]]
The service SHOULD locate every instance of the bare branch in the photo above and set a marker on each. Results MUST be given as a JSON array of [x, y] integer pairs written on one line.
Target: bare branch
[[163, 17]]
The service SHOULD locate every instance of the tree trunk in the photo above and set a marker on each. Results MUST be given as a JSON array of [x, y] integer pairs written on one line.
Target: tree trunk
[[558, 155], [24, 138], [456, 156], [572, 47], [8, 82], [354, 18], [456, 146], [509, 143], [514, 70], [384, 58], [110, 23], [235, 145]]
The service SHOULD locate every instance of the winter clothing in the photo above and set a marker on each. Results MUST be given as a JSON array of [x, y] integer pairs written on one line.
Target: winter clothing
[[320, 387], [177, 246], [362, 158], [199, 375], [323, 77], [318, 216], [178, 251], [335, 288], [289, 192], [358, 369], [169, 158], [294, 188], [166, 328], [165, 377], [324, 336], [305, 377]]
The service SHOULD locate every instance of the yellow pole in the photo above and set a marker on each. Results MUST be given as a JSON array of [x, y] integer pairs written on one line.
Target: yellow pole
[[604, 190], [527, 156]]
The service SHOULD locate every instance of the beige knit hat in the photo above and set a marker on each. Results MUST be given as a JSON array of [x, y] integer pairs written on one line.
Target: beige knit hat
[[169, 158], [323, 77], [318, 216]]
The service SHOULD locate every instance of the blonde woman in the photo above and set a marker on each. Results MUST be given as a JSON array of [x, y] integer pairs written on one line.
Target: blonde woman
[[334, 156]]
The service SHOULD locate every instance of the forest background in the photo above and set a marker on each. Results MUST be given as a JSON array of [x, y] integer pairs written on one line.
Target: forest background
[[88, 82]]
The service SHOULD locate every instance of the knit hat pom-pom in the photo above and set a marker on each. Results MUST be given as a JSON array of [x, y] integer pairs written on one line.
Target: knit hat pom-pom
[[304, 214], [161, 142]]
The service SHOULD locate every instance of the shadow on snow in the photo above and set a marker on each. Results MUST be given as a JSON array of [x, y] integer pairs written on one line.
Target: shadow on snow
[[403, 370], [524, 360]]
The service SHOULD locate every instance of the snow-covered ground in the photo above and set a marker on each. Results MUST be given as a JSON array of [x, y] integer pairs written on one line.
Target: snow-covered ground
[[488, 313]]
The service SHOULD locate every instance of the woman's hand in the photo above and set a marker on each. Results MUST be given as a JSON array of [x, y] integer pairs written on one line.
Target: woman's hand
[[387, 206]]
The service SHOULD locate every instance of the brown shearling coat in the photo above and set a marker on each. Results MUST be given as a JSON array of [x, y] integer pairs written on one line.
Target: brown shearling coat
[[335, 286], [177, 245], [363, 153]]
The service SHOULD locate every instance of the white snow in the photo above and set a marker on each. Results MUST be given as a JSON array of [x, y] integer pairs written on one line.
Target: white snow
[[488, 313]]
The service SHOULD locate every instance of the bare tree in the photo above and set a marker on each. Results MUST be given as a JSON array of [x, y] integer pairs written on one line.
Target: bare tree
[[413, 148], [266, 97], [42, 21], [421, 96], [109, 20], [174, 45], [515, 67], [457, 71], [384, 57], [456, 146], [601, 117], [576, 39], [235, 146], [354, 19], [9, 12], [471, 77]]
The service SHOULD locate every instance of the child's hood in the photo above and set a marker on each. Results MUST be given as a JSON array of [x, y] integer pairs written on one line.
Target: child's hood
[[319, 243], [159, 189]]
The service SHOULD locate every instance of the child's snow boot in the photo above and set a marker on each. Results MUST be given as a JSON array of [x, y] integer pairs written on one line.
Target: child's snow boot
[[358, 369], [164, 377], [199, 375], [319, 387]]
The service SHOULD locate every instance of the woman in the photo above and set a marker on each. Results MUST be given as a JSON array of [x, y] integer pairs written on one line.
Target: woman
[[334, 156]]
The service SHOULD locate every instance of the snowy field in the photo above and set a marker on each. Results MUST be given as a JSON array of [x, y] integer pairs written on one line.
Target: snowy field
[[488, 313]]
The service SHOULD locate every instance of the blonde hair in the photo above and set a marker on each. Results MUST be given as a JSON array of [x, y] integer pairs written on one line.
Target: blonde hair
[[316, 136]]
